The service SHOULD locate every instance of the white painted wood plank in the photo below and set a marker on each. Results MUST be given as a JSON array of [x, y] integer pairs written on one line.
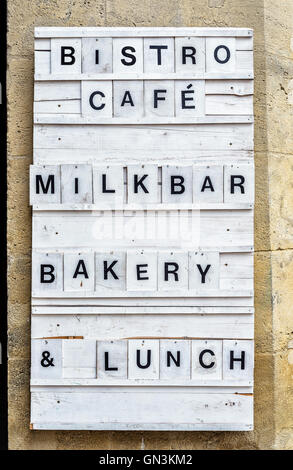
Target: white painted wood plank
[[145, 427], [56, 230], [150, 302], [229, 87], [144, 291], [244, 61], [42, 44], [228, 104], [242, 73], [42, 62], [58, 107], [57, 90], [121, 326], [130, 310], [93, 156], [79, 359], [110, 384], [244, 43], [188, 409], [231, 284], [155, 138], [239, 222], [121, 31], [238, 265], [136, 207], [112, 319], [147, 120]]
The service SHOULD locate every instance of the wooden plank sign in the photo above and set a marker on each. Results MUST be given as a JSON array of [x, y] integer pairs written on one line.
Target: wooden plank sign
[[142, 189]]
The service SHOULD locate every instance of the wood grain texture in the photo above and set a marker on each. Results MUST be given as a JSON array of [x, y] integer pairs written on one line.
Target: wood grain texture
[[148, 411], [156, 138], [121, 31], [179, 229], [119, 326], [138, 310]]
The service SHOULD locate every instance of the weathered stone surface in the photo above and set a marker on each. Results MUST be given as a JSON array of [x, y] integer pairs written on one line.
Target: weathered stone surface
[[18, 226], [19, 330], [279, 73], [262, 293], [281, 200]]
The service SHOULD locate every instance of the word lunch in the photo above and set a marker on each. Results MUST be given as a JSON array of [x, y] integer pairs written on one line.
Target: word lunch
[[164, 359], [115, 184]]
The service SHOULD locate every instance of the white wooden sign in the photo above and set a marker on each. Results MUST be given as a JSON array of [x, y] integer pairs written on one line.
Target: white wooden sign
[[142, 189]]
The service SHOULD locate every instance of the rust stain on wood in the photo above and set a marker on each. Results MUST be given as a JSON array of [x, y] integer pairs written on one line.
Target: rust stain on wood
[[62, 337]]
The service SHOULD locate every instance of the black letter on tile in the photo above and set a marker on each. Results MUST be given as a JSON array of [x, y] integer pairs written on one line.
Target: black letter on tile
[[129, 56], [148, 363], [80, 270], [48, 272], [45, 189], [206, 366], [171, 271], [203, 273], [69, 54]]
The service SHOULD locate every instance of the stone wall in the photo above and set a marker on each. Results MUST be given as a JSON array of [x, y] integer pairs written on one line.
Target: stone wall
[[272, 24]]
